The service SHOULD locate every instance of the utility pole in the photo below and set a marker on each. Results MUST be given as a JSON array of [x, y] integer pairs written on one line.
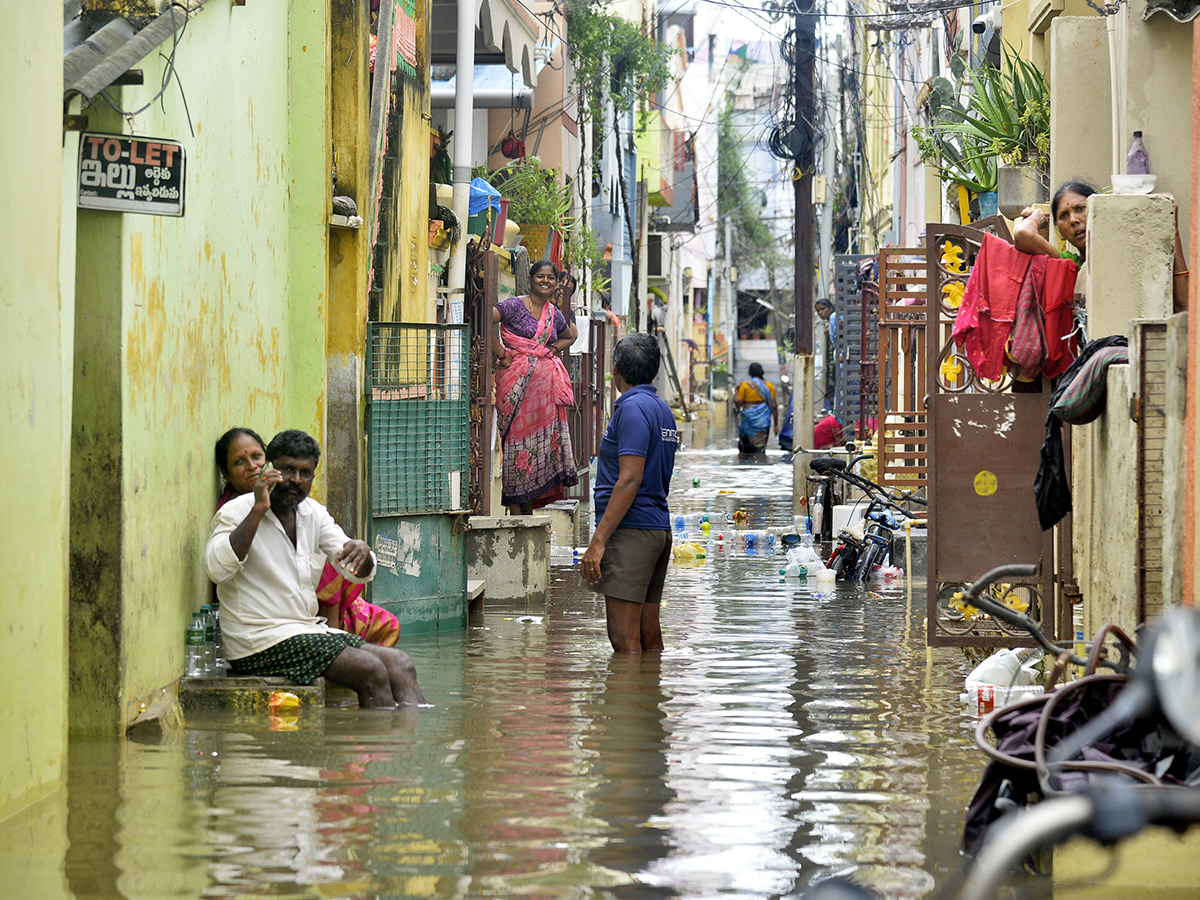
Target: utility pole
[[802, 175]]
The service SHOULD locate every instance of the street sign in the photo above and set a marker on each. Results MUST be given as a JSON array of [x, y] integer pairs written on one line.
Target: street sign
[[120, 173]]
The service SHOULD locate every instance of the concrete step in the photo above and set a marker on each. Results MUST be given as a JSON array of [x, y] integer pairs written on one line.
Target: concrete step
[[246, 696]]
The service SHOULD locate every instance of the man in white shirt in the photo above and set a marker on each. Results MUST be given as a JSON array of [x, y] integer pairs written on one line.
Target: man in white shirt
[[265, 553]]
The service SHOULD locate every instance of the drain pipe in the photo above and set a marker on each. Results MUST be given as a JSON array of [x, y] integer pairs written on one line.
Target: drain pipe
[[464, 111], [1110, 24]]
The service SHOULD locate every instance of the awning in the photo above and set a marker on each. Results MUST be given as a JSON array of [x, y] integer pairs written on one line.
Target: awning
[[506, 32], [98, 48]]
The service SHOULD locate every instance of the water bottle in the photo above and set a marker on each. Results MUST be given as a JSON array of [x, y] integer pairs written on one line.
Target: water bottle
[[194, 648], [1137, 160], [219, 644], [680, 524], [210, 639]]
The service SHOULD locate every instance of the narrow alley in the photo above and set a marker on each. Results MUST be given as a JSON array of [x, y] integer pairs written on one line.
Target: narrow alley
[[784, 735]]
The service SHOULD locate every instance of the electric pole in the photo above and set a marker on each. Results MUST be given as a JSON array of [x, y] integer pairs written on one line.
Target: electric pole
[[804, 156]]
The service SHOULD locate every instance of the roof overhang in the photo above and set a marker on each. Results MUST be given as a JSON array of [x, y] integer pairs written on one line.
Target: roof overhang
[[506, 32], [100, 47]]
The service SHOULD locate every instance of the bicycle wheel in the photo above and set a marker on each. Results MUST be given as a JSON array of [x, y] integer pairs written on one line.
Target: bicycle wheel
[[867, 561], [950, 619], [1022, 598], [842, 563]]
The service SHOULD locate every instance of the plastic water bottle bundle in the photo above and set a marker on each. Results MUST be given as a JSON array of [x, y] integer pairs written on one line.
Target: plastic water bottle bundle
[[194, 648], [758, 541], [565, 556]]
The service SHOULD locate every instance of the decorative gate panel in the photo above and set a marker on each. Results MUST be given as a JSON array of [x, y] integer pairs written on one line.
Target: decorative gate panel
[[984, 448], [903, 424], [481, 291]]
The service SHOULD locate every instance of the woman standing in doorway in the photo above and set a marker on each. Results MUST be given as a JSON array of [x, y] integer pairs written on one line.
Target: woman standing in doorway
[[533, 392]]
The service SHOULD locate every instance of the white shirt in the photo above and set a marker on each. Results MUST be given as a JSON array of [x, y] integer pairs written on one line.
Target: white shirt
[[271, 595]]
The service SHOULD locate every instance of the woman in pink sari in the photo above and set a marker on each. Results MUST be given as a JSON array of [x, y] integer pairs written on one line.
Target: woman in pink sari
[[533, 392], [240, 455]]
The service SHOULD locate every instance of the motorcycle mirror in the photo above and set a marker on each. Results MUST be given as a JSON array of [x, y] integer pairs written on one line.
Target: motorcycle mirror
[[851, 446], [1175, 668]]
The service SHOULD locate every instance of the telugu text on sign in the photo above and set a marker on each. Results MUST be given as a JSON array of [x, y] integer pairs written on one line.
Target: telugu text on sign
[[131, 174]]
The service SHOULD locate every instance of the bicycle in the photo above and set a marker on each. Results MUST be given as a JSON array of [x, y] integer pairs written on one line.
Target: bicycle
[[1164, 684], [857, 555]]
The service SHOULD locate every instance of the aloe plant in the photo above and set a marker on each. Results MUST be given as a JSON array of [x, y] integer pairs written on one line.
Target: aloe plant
[[1007, 116]]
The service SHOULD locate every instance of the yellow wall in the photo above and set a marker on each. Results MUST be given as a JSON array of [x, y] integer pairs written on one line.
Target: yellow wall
[[35, 320], [189, 325]]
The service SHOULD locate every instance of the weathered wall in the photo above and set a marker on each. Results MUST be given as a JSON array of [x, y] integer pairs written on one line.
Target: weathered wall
[[1131, 248], [190, 325], [1079, 80], [1156, 66], [1104, 486], [35, 329]]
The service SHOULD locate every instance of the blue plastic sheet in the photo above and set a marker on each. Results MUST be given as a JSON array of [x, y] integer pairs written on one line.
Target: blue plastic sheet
[[483, 195]]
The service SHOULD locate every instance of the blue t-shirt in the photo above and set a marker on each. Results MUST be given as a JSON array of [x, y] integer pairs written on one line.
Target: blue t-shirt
[[641, 425]]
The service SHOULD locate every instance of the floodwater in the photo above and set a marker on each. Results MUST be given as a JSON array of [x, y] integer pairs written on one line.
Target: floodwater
[[783, 736]]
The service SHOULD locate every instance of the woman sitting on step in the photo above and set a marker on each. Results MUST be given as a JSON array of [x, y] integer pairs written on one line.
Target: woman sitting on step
[[241, 455]]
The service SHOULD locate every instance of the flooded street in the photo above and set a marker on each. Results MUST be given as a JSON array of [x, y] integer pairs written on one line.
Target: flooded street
[[783, 736]]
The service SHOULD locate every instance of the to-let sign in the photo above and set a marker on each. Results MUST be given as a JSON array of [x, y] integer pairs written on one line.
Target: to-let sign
[[131, 174]]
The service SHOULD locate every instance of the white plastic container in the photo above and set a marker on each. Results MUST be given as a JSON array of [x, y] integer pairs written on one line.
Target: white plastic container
[[846, 514]]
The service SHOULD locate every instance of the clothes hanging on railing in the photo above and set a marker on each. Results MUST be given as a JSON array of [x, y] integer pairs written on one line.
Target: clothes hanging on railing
[[1016, 313]]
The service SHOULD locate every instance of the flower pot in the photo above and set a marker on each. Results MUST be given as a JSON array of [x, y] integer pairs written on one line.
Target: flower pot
[[1019, 187], [542, 242], [987, 204]]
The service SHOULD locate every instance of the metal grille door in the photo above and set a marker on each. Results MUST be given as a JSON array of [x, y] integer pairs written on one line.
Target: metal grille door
[[848, 337], [418, 418]]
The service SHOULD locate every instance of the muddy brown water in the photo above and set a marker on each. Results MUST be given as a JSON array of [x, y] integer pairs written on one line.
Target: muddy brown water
[[783, 736]]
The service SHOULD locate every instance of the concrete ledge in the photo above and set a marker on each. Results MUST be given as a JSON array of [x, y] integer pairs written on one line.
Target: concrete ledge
[[245, 695], [157, 722], [475, 594], [511, 554], [564, 522]]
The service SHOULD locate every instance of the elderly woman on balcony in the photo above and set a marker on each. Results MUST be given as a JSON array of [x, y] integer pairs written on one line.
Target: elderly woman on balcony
[[533, 392], [1069, 211]]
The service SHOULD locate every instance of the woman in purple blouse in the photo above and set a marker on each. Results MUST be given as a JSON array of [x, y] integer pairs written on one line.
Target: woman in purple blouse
[[533, 392]]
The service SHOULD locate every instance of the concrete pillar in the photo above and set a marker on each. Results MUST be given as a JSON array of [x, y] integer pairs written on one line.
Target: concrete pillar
[[1131, 248], [1079, 80]]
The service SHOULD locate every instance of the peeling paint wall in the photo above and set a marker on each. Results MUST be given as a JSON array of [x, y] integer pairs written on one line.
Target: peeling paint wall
[[189, 325], [35, 408]]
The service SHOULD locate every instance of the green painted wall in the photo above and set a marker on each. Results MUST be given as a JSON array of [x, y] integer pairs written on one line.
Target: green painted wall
[[190, 325], [35, 331]]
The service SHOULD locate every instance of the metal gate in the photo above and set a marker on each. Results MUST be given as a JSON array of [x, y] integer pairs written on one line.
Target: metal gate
[[903, 422], [984, 450], [417, 395], [481, 290], [846, 348]]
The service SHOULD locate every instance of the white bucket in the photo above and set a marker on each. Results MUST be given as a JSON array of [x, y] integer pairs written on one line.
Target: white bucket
[[846, 514]]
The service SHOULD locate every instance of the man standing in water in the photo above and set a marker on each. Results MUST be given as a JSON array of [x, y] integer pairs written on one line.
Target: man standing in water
[[264, 553], [631, 546]]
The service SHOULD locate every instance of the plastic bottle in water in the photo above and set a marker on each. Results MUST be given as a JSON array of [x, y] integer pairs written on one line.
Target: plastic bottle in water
[[210, 639], [194, 648], [716, 519], [680, 523]]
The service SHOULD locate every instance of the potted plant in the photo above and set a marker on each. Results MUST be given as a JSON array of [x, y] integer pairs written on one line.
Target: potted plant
[[538, 201], [1006, 117]]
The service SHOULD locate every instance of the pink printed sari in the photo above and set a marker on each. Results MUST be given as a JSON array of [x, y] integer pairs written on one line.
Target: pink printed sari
[[341, 601], [532, 396]]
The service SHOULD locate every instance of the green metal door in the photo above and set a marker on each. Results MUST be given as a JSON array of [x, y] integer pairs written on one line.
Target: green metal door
[[417, 429]]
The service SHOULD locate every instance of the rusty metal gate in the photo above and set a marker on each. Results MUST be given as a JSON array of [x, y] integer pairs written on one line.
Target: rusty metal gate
[[903, 424], [984, 450], [481, 290]]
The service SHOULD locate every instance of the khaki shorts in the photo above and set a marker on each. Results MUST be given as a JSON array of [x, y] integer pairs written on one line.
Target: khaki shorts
[[634, 566]]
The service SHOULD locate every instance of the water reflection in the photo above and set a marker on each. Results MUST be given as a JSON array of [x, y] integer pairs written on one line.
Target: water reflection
[[782, 736]]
